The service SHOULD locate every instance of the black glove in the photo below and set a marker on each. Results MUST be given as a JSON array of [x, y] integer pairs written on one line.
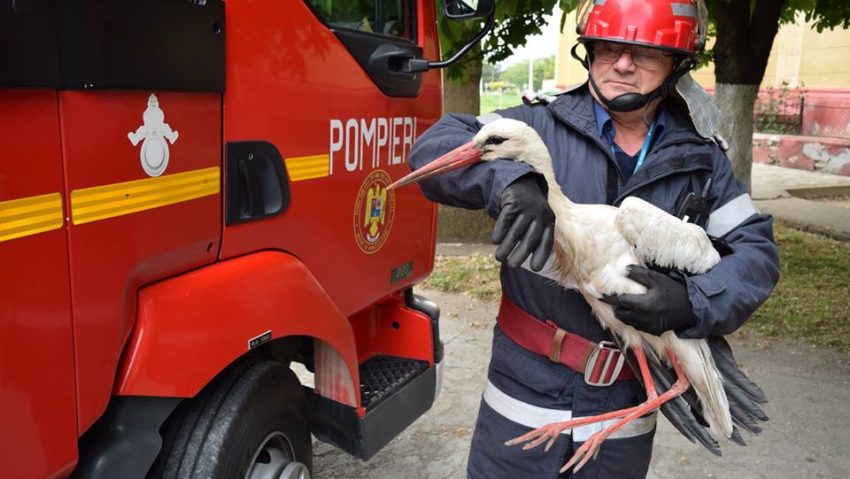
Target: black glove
[[525, 226], [665, 305]]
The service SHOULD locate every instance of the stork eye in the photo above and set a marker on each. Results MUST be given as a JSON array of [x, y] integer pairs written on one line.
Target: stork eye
[[495, 140]]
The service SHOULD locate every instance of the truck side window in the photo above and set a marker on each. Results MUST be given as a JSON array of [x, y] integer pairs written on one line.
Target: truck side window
[[384, 17]]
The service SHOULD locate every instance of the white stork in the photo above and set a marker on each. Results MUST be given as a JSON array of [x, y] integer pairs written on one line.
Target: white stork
[[594, 244]]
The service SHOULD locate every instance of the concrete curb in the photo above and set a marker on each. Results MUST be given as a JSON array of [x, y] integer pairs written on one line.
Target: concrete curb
[[828, 220], [790, 196]]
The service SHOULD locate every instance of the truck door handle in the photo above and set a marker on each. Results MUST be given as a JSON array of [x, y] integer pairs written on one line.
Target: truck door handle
[[395, 60]]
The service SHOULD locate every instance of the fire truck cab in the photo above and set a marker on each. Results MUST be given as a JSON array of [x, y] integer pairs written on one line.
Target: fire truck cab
[[192, 198]]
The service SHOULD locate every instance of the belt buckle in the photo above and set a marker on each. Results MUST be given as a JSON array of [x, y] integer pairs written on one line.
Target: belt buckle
[[594, 356]]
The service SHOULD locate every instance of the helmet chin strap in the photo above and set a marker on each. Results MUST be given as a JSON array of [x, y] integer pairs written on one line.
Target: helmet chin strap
[[626, 101], [634, 101]]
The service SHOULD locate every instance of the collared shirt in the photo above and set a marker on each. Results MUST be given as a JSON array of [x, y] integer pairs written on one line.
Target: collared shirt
[[605, 128]]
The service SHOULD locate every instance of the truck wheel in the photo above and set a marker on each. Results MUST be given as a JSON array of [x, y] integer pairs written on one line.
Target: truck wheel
[[249, 423]]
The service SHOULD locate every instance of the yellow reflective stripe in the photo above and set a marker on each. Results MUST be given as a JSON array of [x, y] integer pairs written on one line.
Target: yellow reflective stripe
[[28, 216], [308, 167], [107, 201]]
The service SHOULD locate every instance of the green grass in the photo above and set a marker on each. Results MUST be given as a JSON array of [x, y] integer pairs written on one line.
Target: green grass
[[496, 101], [476, 275], [811, 303]]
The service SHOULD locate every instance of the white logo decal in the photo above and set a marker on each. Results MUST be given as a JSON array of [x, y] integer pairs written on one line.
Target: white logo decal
[[152, 133]]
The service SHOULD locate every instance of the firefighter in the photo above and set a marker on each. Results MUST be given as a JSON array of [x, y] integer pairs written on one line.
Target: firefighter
[[623, 132]]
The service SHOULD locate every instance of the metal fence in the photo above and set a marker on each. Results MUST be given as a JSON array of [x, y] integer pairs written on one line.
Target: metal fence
[[796, 111], [826, 120]]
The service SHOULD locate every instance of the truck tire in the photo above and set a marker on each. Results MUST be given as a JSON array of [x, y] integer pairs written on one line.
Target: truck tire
[[250, 423]]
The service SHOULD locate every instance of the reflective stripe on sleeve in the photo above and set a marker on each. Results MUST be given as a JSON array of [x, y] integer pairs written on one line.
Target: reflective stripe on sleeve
[[533, 416], [488, 117], [548, 271], [726, 218]]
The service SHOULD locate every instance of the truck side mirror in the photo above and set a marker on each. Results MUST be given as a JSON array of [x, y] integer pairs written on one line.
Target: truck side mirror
[[466, 9], [457, 10]]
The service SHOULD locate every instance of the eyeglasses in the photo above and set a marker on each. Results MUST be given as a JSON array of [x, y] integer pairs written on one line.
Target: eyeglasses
[[646, 58]]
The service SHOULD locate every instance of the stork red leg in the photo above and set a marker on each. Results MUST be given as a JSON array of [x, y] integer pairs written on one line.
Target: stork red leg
[[553, 431], [591, 446]]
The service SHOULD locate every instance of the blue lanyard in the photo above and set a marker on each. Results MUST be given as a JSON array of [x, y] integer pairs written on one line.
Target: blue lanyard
[[647, 141], [645, 148]]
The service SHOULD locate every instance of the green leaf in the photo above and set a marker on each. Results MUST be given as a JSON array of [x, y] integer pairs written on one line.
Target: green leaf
[[515, 21]]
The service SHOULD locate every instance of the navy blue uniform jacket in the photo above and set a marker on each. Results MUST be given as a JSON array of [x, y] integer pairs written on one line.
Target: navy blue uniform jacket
[[586, 170]]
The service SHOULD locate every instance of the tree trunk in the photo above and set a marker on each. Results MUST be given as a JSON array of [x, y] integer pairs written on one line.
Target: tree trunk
[[736, 102], [744, 38], [463, 96], [458, 224]]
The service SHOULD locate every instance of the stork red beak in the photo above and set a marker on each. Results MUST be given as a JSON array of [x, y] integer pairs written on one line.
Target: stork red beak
[[464, 155]]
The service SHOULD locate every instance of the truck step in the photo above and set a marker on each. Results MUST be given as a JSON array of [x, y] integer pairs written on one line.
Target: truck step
[[394, 392], [380, 376]]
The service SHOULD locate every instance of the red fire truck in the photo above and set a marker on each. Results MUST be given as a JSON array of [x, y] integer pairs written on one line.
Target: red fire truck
[[192, 198]]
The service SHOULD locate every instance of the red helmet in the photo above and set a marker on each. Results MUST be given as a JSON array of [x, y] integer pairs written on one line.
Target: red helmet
[[673, 25]]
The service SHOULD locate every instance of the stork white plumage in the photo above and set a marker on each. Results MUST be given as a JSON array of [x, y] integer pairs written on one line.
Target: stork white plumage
[[594, 244]]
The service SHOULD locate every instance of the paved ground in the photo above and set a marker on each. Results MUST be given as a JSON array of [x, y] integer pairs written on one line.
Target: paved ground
[[808, 435], [809, 388], [785, 192]]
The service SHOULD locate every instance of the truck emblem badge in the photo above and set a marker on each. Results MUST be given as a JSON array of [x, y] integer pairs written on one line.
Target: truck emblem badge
[[374, 212], [152, 133]]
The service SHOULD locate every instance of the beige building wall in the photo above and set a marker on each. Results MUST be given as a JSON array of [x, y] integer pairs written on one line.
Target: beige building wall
[[568, 71], [800, 55], [825, 58]]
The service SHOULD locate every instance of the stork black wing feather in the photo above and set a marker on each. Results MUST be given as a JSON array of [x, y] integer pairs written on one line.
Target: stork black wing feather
[[739, 417], [740, 399], [736, 437], [664, 375], [677, 413], [728, 367], [684, 411], [742, 417], [743, 394]]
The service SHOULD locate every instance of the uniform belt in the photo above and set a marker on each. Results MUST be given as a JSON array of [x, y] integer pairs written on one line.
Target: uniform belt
[[601, 363]]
